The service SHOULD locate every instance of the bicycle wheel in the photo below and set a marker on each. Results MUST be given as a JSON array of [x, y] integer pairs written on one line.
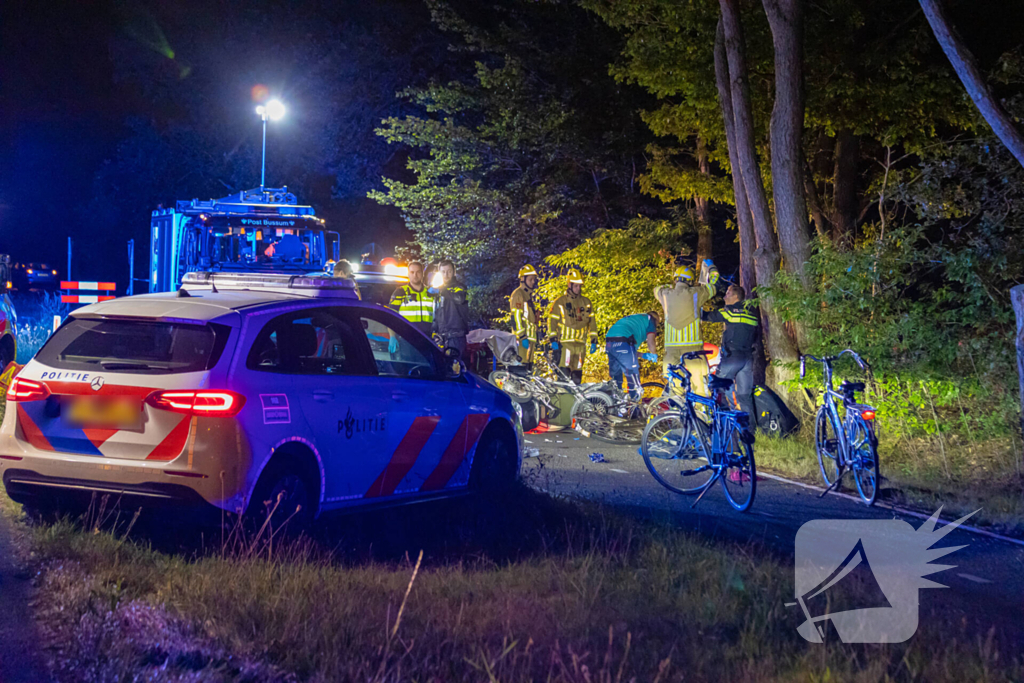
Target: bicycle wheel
[[739, 473], [826, 444], [864, 460], [596, 403], [675, 450], [610, 429], [511, 385]]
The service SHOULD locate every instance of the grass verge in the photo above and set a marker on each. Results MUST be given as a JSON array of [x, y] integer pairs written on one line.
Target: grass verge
[[523, 588], [918, 474]]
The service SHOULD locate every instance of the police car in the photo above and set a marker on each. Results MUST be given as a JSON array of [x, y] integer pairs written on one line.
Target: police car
[[241, 389]]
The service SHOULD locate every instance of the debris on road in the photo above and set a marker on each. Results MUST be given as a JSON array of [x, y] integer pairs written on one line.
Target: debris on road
[[597, 457], [532, 453]]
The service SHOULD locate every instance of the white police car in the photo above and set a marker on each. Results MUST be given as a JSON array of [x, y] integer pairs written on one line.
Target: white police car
[[240, 388]]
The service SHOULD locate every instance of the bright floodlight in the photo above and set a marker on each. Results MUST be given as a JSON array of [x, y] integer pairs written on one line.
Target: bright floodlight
[[275, 110]]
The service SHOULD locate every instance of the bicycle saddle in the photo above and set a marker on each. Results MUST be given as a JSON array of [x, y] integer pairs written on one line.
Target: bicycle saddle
[[716, 382], [851, 387], [696, 354]]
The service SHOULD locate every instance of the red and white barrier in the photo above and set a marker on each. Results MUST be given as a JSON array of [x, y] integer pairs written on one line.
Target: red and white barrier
[[83, 285]]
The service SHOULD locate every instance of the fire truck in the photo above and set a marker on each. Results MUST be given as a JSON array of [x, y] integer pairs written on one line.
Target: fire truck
[[263, 230]]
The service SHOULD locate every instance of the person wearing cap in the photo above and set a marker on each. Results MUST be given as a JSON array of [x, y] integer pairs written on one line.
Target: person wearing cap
[[682, 303], [343, 270], [571, 324], [622, 342], [525, 318]]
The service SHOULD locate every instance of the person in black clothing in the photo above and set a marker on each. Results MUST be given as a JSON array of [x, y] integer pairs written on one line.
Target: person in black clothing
[[741, 329], [451, 312]]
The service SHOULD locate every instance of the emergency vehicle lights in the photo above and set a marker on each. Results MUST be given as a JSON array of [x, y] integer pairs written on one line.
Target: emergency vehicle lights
[[26, 390], [205, 403], [393, 269], [867, 414]]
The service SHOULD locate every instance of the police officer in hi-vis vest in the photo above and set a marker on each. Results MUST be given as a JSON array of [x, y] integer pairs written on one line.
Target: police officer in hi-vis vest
[[413, 302], [525, 317]]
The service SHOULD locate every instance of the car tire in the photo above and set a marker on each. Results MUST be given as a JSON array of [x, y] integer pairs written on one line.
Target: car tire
[[284, 495], [494, 464]]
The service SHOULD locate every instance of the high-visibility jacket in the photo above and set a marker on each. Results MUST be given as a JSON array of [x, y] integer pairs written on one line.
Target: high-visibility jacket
[[692, 298], [524, 313], [416, 307], [571, 319]]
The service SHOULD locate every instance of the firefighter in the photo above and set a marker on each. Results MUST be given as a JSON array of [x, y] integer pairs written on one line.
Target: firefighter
[[451, 312], [741, 329], [525, 317], [622, 342], [571, 325], [414, 303], [682, 304]]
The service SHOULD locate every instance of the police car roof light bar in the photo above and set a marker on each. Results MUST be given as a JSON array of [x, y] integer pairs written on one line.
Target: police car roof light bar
[[298, 285]]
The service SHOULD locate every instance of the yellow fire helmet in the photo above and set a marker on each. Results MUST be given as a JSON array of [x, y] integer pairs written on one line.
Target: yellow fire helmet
[[527, 271], [574, 277], [684, 273]]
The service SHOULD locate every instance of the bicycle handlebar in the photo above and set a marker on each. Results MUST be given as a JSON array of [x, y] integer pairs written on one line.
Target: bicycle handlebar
[[828, 360]]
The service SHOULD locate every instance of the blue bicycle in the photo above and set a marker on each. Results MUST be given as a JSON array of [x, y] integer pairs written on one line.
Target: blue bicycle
[[844, 432], [688, 455]]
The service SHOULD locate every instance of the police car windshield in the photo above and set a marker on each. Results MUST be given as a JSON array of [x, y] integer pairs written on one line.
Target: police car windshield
[[134, 346]]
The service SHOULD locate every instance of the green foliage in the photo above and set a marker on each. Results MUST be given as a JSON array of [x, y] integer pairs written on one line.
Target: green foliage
[[622, 267], [928, 302], [507, 165]]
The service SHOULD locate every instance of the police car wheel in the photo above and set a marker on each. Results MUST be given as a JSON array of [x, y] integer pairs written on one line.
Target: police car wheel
[[286, 498], [494, 465]]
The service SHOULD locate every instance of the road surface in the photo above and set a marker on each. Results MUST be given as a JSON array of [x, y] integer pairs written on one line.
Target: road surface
[[986, 587]]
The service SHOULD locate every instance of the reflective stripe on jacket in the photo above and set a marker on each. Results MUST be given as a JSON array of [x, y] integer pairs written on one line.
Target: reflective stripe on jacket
[[571, 319], [524, 313], [416, 307]]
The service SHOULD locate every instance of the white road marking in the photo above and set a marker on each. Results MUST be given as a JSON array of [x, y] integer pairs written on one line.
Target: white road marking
[[975, 579], [894, 508], [619, 471]]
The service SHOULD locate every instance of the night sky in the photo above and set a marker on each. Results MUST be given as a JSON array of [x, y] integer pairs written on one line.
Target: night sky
[[108, 109]]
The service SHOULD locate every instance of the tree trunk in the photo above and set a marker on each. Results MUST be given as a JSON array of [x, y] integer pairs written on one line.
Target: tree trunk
[[844, 179], [766, 256], [821, 224], [966, 68], [787, 128], [744, 221], [1017, 300], [705, 245]]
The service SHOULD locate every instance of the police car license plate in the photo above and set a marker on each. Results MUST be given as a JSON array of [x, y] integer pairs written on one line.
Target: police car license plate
[[104, 413]]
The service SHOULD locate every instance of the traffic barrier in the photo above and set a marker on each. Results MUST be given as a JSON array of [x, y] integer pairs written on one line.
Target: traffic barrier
[[87, 286]]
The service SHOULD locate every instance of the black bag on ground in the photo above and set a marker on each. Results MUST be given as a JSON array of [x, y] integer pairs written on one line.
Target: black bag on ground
[[773, 416]]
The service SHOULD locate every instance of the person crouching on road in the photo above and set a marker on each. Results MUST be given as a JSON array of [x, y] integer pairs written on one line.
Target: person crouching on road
[[621, 344], [741, 330], [682, 304], [525, 318], [451, 312], [571, 323]]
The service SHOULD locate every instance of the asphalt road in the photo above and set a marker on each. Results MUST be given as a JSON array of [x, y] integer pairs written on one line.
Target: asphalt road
[[985, 587]]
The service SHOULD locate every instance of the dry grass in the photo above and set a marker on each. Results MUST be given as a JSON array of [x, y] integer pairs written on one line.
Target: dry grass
[[968, 477], [574, 595]]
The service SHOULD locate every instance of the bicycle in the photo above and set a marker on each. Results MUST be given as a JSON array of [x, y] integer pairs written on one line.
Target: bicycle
[[687, 455], [523, 385], [845, 442], [620, 422]]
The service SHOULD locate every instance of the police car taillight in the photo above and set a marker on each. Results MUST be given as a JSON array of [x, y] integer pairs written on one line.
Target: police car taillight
[[212, 403], [26, 390]]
